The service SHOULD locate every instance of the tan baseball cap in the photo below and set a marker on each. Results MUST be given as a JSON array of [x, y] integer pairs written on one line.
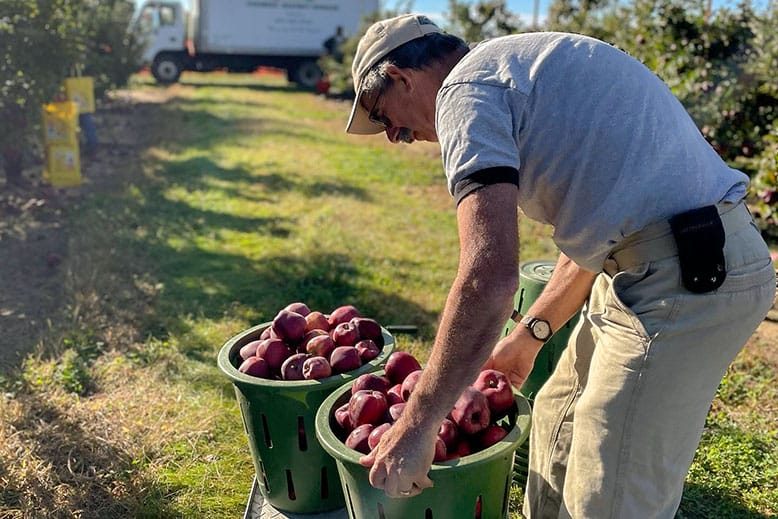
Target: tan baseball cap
[[380, 39]]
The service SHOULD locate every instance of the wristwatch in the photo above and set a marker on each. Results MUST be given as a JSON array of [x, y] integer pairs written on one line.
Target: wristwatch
[[539, 328]]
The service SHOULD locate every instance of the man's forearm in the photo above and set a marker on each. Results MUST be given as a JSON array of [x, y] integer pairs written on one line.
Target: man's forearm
[[469, 328]]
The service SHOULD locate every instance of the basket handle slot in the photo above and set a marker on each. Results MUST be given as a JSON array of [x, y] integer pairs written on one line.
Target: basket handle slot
[[479, 507], [301, 439], [266, 432], [428, 513], [325, 487], [290, 485], [381, 511], [264, 476]]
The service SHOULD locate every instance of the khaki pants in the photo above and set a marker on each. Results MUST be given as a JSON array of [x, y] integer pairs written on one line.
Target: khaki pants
[[616, 426]]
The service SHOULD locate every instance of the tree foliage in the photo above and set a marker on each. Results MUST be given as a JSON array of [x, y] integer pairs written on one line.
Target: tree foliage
[[44, 41], [474, 22]]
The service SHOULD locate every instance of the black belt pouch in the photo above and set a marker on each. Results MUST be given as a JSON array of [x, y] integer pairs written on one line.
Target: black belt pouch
[[699, 235]]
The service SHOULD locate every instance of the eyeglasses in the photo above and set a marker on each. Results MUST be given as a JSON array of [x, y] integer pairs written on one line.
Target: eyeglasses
[[381, 120]]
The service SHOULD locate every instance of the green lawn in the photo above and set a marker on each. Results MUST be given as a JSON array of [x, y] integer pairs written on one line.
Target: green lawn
[[240, 195]]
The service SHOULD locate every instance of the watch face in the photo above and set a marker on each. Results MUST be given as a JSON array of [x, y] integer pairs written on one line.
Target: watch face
[[541, 330]]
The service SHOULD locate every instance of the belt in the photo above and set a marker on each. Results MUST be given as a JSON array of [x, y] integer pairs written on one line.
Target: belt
[[656, 241]]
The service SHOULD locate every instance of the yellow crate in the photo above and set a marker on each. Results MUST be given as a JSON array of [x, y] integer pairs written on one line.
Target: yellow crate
[[63, 165], [81, 90], [60, 123]]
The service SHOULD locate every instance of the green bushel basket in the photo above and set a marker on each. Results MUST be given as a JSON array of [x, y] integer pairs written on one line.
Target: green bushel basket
[[293, 471], [474, 487], [533, 277]]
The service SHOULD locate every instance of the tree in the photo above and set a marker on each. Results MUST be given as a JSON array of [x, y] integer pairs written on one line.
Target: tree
[[483, 20]]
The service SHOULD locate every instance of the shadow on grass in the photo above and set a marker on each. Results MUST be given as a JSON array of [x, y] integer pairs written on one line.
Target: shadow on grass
[[705, 502], [201, 281], [83, 474], [200, 124]]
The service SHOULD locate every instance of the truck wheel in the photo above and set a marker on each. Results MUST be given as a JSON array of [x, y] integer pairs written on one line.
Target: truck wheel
[[306, 74], [166, 68]]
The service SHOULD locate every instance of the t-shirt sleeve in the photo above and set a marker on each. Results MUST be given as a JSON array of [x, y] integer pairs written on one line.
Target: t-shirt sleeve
[[476, 126]]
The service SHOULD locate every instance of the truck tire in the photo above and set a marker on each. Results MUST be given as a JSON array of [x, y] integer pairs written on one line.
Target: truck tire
[[166, 68], [306, 74]]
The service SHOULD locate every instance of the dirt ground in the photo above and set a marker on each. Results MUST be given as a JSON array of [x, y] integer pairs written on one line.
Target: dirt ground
[[35, 236]]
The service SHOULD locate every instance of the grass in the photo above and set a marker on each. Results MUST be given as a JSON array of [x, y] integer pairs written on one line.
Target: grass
[[237, 196]]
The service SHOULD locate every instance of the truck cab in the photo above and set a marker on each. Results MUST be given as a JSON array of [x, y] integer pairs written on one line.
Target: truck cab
[[163, 27]]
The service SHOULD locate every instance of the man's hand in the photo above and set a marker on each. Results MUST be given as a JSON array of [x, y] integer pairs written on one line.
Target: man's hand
[[514, 355], [401, 460]]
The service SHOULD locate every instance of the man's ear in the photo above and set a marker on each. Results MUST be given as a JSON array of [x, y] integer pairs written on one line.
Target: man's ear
[[400, 76]]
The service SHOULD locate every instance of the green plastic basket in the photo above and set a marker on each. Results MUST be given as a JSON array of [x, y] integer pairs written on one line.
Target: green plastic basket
[[294, 473], [473, 487]]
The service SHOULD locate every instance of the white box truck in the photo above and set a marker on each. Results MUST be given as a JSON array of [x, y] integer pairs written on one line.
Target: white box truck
[[241, 35]]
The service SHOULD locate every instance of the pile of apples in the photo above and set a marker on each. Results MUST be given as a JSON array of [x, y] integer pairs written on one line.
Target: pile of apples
[[305, 345], [376, 402]]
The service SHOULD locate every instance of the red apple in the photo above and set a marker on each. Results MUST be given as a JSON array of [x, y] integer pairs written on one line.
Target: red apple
[[399, 365], [376, 433], [463, 448], [448, 433], [343, 314], [275, 352], [299, 308], [409, 384], [313, 333], [440, 450], [249, 349], [345, 334], [267, 333], [341, 416], [366, 407], [321, 345], [490, 436], [367, 349], [256, 367], [292, 368], [344, 358], [497, 389], [358, 438], [396, 410], [395, 394], [316, 321], [315, 368], [368, 329], [371, 382], [289, 326], [471, 411]]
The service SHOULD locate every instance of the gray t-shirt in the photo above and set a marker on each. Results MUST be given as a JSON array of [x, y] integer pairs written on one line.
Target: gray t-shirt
[[601, 145]]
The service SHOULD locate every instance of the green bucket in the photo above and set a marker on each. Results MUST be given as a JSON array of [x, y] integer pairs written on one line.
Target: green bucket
[[533, 277], [476, 486], [294, 473]]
